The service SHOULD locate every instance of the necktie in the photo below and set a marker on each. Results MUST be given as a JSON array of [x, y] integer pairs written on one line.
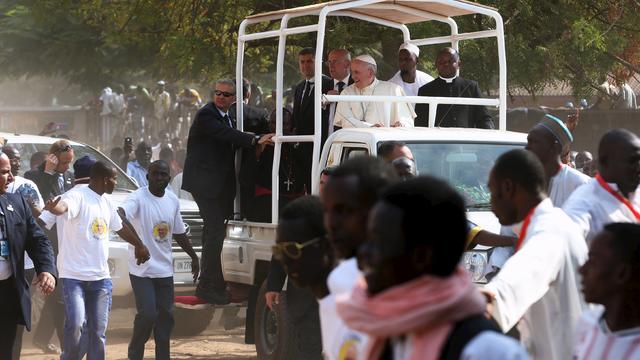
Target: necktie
[[340, 86], [307, 89], [227, 120], [61, 183]]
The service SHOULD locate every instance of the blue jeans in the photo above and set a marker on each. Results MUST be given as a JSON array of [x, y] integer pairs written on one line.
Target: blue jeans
[[88, 301], [154, 303]]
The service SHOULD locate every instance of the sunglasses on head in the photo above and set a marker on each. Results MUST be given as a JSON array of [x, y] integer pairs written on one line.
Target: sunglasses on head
[[223, 93], [292, 249], [64, 148]]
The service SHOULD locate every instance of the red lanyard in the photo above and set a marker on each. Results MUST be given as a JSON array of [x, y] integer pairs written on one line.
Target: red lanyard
[[617, 195], [523, 231]]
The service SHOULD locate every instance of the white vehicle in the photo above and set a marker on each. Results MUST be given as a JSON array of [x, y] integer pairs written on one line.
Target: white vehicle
[[462, 156], [187, 323]]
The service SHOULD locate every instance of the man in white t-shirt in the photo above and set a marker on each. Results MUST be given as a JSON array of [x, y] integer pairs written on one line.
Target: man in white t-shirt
[[88, 216], [155, 215], [409, 77], [611, 277]]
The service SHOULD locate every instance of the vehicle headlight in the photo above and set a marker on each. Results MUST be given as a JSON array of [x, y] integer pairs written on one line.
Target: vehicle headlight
[[112, 266], [475, 262]]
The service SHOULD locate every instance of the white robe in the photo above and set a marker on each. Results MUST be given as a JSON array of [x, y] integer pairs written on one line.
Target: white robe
[[540, 283], [411, 89], [367, 114], [591, 207], [337, 338], [562, 185]]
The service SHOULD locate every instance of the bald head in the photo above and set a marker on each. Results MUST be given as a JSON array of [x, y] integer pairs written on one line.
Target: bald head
[[619, 159], [339, 63]]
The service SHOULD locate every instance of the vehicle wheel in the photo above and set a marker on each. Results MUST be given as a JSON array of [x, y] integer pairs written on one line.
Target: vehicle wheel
[[191, 322], [272, 328]]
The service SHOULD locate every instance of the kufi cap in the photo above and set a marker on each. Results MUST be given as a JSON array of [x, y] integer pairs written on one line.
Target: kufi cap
[[82, 167], [161, 82], [367, 59], [557, 128], [413, 49]]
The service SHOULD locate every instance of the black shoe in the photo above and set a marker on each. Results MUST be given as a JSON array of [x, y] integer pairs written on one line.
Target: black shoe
[[213, 296]]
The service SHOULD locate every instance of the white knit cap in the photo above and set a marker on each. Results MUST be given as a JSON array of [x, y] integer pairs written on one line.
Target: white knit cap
[[410, 48], [367, 59]]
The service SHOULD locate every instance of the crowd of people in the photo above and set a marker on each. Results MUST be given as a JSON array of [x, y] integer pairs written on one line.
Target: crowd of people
[[373, 262]]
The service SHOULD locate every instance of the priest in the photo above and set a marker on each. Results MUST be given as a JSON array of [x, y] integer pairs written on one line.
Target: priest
[[367, 114], [449, 84]]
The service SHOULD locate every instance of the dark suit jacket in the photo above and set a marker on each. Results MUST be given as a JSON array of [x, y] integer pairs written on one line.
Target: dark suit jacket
[[255, 120], [453, 115], [303, 109], [23, 234], [300, 302], [48, 184], [211, 146]]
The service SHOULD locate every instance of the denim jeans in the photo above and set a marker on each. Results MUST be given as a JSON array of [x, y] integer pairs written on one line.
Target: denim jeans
[[154, 303], [88, 301]]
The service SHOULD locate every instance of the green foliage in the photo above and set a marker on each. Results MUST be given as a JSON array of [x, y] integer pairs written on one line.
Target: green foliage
[[98, 42]]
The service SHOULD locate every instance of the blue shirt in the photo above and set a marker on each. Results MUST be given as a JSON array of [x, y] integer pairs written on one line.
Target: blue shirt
[[138, 173]]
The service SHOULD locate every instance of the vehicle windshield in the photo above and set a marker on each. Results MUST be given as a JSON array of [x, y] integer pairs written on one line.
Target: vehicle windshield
[[465, 165], [28, 149]]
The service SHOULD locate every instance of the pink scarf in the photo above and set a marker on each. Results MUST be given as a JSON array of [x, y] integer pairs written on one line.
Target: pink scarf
[[426, 307]]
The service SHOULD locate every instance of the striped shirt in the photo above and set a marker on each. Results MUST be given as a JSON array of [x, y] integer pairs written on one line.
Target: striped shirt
[[594, 340]]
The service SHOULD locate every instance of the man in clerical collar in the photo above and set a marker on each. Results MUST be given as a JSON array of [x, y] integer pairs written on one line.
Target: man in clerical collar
[[367, 114], [409, 77], [449, 84]]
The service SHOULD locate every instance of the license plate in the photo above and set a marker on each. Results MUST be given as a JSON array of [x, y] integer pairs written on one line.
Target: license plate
[[182, 265]]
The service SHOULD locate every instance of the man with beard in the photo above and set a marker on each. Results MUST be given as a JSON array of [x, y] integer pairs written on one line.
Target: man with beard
[[409, 77], [155, 215]]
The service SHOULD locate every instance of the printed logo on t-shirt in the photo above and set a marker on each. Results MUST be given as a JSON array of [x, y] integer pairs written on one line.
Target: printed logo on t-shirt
[[349, 348], [29, 192], [98, 228], [161, 231]]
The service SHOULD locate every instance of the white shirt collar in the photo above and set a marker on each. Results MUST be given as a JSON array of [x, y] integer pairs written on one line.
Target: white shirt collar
[[223, 114], [345, 81], [312, 80], [448, 80]]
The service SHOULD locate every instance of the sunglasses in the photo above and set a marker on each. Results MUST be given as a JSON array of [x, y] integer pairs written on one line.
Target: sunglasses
[[292, 249], [223, 93], [64, 148]]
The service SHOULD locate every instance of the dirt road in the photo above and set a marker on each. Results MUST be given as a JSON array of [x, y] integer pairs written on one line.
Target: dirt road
[[213, 343]]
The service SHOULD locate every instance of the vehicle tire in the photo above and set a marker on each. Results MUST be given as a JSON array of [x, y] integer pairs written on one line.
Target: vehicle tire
[[273, 329], [190, 322]]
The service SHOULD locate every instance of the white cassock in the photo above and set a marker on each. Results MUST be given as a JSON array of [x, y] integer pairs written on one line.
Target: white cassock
[[564, 183], [367, 114], [337, 338], [591, 207], [540, 284]]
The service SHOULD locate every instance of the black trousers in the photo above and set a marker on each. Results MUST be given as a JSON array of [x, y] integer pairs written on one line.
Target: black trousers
[[214, 212], [10, 313], [17, 346]]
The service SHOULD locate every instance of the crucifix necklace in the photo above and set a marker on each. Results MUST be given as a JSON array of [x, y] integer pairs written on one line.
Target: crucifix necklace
[[289, 168]]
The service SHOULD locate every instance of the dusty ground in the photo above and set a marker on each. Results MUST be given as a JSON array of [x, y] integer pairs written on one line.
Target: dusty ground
[[213, 343]]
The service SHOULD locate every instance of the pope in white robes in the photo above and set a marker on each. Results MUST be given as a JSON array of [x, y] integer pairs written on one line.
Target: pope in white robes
[[367, 114]]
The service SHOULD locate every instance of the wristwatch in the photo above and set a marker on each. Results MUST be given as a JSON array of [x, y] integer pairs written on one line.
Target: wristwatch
[[255, 140]]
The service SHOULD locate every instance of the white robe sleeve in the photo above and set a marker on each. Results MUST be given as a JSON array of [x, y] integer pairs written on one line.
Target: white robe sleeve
[[403, 113], [577, 207], [525, 277]]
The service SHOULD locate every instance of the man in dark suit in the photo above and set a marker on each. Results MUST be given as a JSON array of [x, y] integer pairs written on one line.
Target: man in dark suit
[[339, 64], [255, 120], [449, 84], [53, 179], [303, 109], [19, 232], [210, 176]]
